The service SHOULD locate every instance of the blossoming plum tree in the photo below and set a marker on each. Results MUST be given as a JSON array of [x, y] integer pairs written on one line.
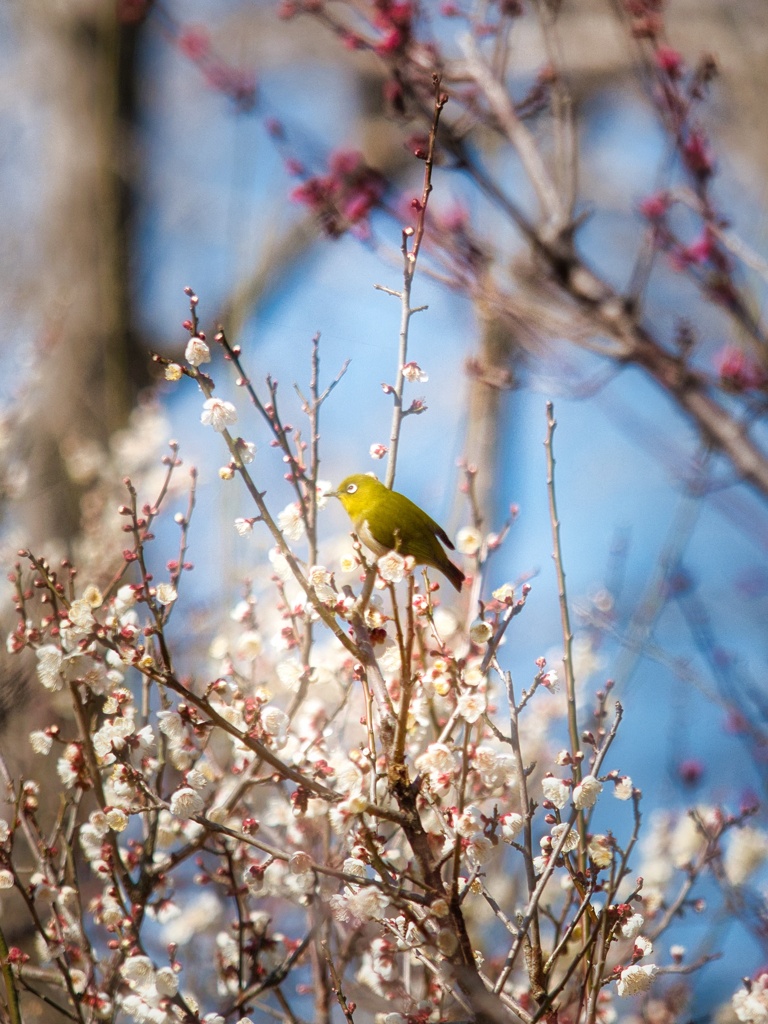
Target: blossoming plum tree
[[372, 820]]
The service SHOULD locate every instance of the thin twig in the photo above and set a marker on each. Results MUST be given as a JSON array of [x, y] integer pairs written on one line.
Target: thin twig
[[409, 269], [565, 618]]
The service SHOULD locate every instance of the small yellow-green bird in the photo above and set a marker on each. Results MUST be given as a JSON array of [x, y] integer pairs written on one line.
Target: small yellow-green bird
[[387, 521]]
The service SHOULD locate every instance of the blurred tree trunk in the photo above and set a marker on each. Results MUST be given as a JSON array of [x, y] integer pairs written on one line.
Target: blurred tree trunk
[[88, 366]]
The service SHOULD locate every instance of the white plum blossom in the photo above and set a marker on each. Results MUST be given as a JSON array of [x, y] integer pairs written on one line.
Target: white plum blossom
[[144, 1009], [348, 563], [471, 705], [480, 632], [391, 567], [446, 622], [165, 593], [750, 1004], [92, 833], [600, 851], [747, 850], [117, 819], [479, 851], [472, 674], [364, 904], [571, 837], [246, 450], [249, 645], [623, 788], [93, 596], [437, 764], [275, 722], [6, 879], [80, 614], [342, 815], [173, 372], [505, 594], [291, 522], [354, 866], [185, 802], [172, 726], [197, 352], [110, 912], [244, 526], [166, 982], [289, 672], [300, 863], [49, 663], [469, 540], [322, 489], [124, 600], [138, 971], [321, 579], [200, 910], [633, 926], [556, 791], [79, 980], [550, 681], [636, 979], [687, 840], [111, 737], [41, 741], [388, 655], [218, 414], [414, 374], [242, 612], [67, 765], [378, 451], [511, 826], [496, 768], [470, 821], [383, 958], [587, 792]]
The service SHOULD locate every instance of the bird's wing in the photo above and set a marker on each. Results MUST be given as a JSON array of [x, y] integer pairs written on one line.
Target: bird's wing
[[387, 536], [440, 532]]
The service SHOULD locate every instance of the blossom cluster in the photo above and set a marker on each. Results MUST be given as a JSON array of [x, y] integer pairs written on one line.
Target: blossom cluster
[[344, 774], [268, 772]]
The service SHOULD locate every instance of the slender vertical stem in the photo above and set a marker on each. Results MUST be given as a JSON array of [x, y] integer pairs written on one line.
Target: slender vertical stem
[[14, 1010], [409, 269], [565, 618], [406, 673], [402, 355], [327, 982], [526, 808]]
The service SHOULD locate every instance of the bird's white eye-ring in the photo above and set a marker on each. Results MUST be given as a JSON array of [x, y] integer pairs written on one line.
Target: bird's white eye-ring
[[351, 488]]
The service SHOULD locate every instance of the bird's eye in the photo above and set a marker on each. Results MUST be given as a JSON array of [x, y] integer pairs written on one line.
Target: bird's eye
[[351, 488]]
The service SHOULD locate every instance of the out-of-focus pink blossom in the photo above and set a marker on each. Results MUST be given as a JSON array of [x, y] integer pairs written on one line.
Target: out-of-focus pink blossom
[[737, 370], [669, 60]]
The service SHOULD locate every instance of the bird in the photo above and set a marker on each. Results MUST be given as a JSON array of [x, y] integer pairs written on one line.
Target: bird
[[385, 520]]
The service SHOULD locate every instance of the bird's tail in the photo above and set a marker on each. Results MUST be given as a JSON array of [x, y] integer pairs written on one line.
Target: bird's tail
[[454, 574]]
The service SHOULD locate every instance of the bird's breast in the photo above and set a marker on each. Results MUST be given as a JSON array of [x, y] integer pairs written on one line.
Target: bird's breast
[[364, 533]]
